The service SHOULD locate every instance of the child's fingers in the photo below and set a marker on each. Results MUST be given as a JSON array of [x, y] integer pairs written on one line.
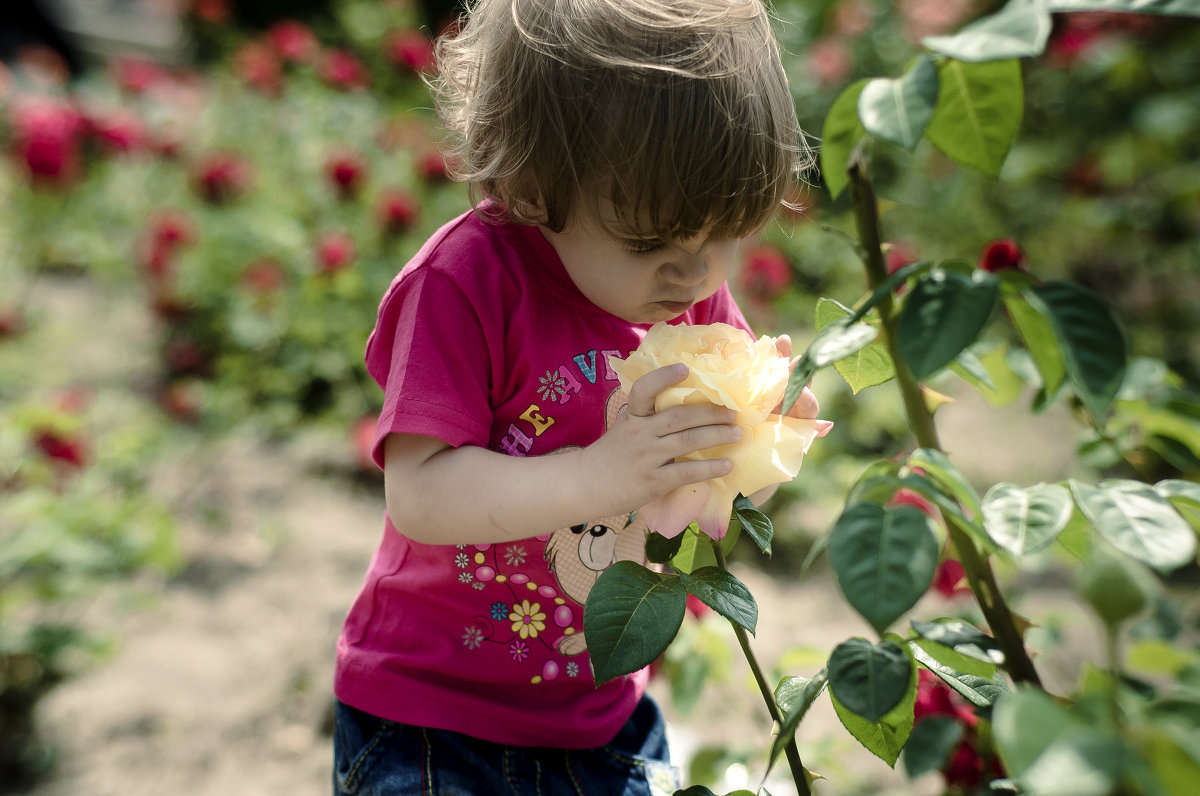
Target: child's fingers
[[646, 389], [783, 344], [691, 471], [806, 406]]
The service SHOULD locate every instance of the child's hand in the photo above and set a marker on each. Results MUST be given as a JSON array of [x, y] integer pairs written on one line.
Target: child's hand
[[633, 463], [806, 406]]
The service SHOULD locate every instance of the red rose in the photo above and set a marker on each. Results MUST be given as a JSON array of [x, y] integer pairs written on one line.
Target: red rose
[[697, 607], [46, 139], [214, 12], [220, 177], [341, 69], [66, 449], [908, 497], [335, 251], [397, 211], [950, 579], [258, 65], [765, 273], [1001, 254], [293, 41], [410, 49], [168, 232], [432, 166], [346, 172]]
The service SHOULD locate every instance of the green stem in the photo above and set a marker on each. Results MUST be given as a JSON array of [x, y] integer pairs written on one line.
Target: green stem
[[791, 751], [978, 570]]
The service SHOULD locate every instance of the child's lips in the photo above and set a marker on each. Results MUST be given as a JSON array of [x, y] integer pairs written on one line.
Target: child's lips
[[676, 307]]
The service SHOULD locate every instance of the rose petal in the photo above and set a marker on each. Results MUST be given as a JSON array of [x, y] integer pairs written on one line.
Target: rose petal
[[670, 514]]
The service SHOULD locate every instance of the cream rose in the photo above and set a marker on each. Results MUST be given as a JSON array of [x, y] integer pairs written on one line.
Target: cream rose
[[728, 367]]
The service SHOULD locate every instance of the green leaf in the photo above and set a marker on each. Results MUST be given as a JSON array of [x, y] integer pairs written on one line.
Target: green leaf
[[695, 551], [1184, 496], [870, 366], [660, 549], [979, 691], [962, 638], [939, 469], [970, 367], [942, 315], [630, 617], [1137, 521], [898, 110], [1174, 756], [1019, 30], [840, 133], [837, 340], [885, 737], [884, 559], [1038, 336], [756, 524], [1183, 8], [1024, 723], [794, 696], [1080, 762], [929, 746], [1024, 521], [978, 112], [725, 594], [869, 679], [1090, 339]]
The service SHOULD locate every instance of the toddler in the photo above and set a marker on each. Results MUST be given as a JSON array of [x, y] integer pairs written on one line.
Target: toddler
[[617, 151]]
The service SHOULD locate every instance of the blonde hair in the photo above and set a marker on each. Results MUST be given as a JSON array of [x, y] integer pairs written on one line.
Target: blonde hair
[[677, 111]]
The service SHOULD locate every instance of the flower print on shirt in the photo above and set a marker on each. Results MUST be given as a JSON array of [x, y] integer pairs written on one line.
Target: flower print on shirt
[[527, 619], [552, 386], [518, 651], [515, 555]]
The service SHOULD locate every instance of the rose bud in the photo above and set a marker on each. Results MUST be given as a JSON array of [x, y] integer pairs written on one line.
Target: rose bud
[[335, 251], [1000, 255], [346, 172], [293, 41], [218, 178], [397, 211]]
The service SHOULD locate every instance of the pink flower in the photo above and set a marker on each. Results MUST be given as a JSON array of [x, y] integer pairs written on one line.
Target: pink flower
[[346, 171], [935, 698], [259, 67], [214, 12], [432, 166], [119, 132], [221, 177], [135, 74], [765, 273], [410, 49], [46, 140], [1001, 254], [335, 251], [829, 60], [293, 41], [341, 69], [397, 211], [168, 232], [264, 276]]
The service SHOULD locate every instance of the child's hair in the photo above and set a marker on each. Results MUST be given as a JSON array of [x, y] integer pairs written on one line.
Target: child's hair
[[677, 111]]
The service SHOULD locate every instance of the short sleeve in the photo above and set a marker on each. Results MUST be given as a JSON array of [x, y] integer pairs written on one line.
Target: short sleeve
[[430, 354]]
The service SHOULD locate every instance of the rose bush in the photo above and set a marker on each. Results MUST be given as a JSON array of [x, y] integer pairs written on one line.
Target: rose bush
[[726, 367]]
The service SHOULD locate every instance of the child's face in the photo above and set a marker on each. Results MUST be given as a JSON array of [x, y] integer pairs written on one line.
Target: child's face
[[641, 280]]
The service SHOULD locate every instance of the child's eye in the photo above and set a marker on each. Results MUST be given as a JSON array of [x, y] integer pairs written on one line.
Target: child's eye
[[642, 245]]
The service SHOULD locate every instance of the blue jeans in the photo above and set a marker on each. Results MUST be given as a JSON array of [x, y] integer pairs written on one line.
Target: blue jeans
[[376, 757]]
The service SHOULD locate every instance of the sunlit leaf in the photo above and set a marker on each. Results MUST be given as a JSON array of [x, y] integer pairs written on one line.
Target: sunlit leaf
[[630, 617], [839, 135], [978, 112], [938, 467], [886, 736], [1038, 336], [884, 559], [756, 524], [1137, 521], [1026, 520], [1024, 723], [976, 689], [794, 696], [1183, 8], [870, 366], [961, 637], [898, 110], [1019, 30]]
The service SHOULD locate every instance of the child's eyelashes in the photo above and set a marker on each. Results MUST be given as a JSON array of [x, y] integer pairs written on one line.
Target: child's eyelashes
[[642, 245]]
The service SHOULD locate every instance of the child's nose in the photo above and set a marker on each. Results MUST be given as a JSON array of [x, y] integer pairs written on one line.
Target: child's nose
[[688, 269]]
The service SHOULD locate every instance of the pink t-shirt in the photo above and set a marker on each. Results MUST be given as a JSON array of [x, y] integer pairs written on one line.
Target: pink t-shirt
[[484, 340]]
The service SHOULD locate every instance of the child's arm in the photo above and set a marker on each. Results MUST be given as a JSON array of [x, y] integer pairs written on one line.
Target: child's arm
[[437, 494]]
